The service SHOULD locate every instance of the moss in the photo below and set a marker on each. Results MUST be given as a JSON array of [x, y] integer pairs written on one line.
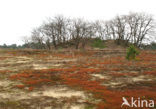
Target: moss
[[11, 105], [89, 107], [98, 43]]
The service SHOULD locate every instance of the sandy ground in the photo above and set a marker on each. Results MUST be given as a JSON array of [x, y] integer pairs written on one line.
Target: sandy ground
[[52, 97]]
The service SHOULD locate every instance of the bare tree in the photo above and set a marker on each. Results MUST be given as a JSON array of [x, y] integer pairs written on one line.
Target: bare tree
[[38, 37], [56, 30], [25, 39], [89, 32], [78, 30], [50, 31], [141, 26], [132, 28], [118, 26], [100, 31], [61, 24]]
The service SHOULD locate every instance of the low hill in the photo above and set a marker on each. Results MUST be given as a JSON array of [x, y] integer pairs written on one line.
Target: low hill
[[94, 43]]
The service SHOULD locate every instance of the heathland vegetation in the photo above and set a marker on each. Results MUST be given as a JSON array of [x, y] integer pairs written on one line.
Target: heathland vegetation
[[78, 64]]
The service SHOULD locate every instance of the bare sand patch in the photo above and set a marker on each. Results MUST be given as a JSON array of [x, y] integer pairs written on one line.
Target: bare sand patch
[[141, 78], [54, 92], [58, 92], [100, 76], [39, 66]]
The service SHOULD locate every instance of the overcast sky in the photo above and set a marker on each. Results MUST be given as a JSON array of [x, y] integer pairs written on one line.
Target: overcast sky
[[19, 17]]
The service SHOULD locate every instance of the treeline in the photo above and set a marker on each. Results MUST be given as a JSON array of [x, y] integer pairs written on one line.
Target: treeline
[[151, 46], [134, 28], [96, 43], [13, 46], [26, 45]]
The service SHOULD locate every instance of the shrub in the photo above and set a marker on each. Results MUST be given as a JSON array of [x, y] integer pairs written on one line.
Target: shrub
[[131, 53], [98, 43], [89, 107]]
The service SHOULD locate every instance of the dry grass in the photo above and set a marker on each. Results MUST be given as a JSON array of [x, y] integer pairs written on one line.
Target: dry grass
[[31, 79]]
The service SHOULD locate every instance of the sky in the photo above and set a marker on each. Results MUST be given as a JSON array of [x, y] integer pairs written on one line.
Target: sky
[[19, 17]]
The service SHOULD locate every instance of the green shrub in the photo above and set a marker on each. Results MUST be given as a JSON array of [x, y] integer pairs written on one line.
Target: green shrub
[[98, 43], [131, 53], [89, 107]]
